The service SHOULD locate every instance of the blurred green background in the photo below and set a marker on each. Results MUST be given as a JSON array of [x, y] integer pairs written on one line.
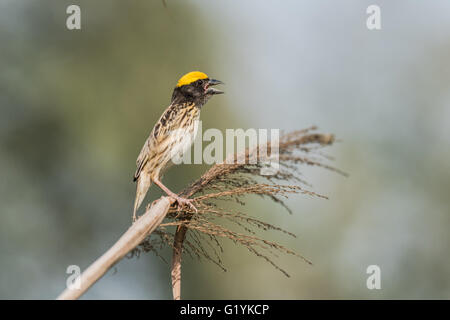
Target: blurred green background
[[76, 107]]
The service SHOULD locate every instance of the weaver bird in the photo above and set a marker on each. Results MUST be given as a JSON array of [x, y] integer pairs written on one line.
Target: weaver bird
[[173, 135]]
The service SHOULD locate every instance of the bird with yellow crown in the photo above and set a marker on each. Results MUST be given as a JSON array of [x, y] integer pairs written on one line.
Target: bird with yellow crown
[[173, 135]]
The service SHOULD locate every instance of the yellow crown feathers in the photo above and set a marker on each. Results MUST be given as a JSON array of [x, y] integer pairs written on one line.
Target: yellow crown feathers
[[191, 77]]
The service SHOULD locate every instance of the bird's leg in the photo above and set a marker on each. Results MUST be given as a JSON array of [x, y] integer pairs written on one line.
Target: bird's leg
[[181, 201]]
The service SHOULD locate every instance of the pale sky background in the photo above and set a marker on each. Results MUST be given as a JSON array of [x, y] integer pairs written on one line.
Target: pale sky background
[[287, 65]]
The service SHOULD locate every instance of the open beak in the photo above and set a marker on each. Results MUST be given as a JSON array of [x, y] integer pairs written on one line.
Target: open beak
[[213, 82]]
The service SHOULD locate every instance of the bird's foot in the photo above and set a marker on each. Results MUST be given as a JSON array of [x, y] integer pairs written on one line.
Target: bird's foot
[[185, 202], [180, 200]]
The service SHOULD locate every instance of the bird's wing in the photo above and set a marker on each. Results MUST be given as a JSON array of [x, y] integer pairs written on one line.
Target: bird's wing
[[160, 130], [142, 159]]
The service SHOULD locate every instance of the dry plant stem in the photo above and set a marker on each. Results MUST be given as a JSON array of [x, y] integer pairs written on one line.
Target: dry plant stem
[[176, 261], [180, 234], [145, 225]]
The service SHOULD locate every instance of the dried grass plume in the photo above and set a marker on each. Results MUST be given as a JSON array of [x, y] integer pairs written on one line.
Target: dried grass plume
[[199, 234]]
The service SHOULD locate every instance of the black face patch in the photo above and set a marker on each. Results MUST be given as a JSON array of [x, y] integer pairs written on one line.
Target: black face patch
[[191, 93]]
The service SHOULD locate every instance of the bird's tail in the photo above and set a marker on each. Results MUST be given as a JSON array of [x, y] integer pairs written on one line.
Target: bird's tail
[[142, 186]]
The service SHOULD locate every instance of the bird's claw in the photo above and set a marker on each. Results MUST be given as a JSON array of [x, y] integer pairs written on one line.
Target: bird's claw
[[185, 202]]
